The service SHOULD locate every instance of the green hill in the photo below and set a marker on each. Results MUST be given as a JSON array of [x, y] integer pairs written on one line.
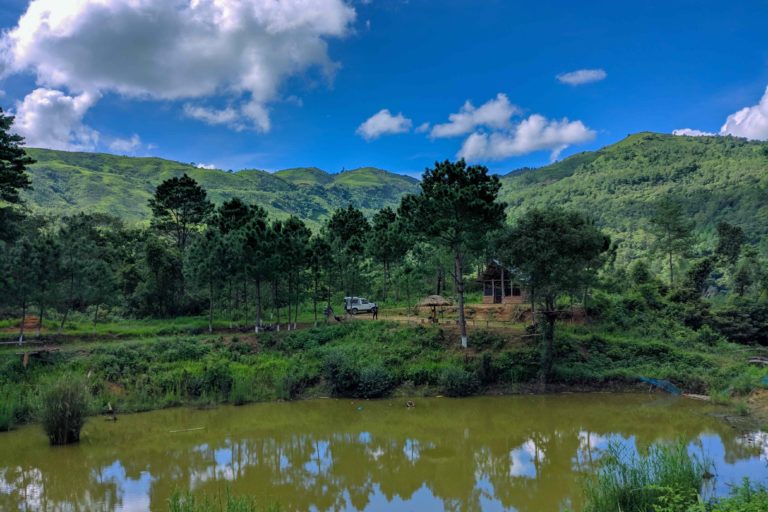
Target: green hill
[[68, 182], [715, 178]]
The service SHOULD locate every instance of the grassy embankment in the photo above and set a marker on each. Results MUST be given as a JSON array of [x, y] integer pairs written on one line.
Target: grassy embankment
[[136, 366]]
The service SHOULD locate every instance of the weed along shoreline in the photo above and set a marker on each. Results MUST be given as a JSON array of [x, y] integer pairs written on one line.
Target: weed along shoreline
[[363, 360]]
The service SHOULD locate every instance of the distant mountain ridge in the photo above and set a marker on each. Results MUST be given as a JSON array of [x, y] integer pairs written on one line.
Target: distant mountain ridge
[[715, 178], [68, 182]]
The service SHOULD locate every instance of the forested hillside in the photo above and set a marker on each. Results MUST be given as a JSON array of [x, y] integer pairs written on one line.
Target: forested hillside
[[714, 179], [66, 182]]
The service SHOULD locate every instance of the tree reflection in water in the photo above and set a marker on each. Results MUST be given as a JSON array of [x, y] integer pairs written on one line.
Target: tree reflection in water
[[506, 453]]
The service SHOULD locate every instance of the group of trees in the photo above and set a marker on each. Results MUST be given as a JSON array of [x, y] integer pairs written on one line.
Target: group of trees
[[233, 261]]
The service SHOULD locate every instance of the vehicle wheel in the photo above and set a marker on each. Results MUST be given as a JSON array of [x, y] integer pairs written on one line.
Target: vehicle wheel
[[354, 311]]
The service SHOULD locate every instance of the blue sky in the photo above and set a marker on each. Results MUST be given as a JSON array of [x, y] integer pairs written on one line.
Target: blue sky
[[291, 86]]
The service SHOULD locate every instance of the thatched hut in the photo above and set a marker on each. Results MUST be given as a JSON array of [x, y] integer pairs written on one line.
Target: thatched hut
[[434, 302]]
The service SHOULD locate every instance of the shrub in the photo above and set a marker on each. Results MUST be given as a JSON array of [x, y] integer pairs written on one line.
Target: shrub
[[375, 382], [743, 498], [341, 373], [456, 381], [631, 483], [9, 401], [64, 407], [241, 391]]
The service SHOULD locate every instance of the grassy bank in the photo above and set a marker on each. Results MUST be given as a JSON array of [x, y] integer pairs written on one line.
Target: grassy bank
[[362, 359]]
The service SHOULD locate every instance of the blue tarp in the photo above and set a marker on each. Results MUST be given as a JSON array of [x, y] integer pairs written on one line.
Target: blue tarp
[[663, 384]]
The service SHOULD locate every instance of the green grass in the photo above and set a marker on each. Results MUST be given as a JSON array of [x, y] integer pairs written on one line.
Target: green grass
[[667, 479], [221, 502]]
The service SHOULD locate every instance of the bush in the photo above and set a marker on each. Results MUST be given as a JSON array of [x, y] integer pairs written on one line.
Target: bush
[[668, 478], [341, 373], [8, 407], [241, 391], [375, 382], [64, 407], [458, 382], [743, 498]]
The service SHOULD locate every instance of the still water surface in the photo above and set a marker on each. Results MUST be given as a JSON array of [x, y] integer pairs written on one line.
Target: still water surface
[[521, 453]]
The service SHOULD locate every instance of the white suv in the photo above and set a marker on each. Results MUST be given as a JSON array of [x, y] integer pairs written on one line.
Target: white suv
[[357, 305]]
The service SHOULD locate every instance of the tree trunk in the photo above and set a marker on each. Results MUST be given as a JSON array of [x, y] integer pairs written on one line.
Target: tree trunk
[[21, 326], [548, 347], [671, 275], [276, 305], [96, 315], [458, 278], [40, 320], [257, 324], [210, 305], [314, 298]]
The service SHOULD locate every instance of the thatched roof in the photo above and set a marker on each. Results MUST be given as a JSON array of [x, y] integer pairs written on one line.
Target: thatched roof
[[433, 301]]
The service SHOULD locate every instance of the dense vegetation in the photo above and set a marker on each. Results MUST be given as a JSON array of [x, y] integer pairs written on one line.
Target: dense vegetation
[[714, 179], [66, 183]]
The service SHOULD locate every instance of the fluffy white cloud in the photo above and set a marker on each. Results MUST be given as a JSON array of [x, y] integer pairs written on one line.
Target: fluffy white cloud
[[691, 132], [227, 116], [182, 49], [495, 113], [383, 123], [582, 76], [52, 119], [210, 167], [749, 122], [535, 133], [422, 128], [125, 145]]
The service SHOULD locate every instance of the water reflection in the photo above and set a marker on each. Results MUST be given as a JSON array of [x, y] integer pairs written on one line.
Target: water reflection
[[510, 453]]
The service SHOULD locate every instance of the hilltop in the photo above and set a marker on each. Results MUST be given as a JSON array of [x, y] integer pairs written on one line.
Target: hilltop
[[715, 178], [67, 182]]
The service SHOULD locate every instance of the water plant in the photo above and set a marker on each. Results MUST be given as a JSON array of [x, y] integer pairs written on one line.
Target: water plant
[[63, 410], [667, 479]]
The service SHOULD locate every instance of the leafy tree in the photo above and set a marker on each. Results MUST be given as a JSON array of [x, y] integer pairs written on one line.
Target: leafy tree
[[320, 263], [18, 285], [179, 206], [730, 238], [456, 208], [13, 176], [87, 273], [46, 273], [697, 276], [673, 231], [554, 251], [347, 231], [257, 241], [387, 243], [747, 271], [204, 266], [232, 215]]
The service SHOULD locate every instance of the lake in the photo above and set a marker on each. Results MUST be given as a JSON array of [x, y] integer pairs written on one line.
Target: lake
[[523, 453]]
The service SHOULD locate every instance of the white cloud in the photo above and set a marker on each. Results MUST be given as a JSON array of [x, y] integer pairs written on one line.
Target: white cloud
[[383, 123], [536, 133], [422, 128], [582, 76], [125, 145], [495, 113], [172, 50], [227, 116], [749, 122], [691, 132], [210, 167], [51, 119]]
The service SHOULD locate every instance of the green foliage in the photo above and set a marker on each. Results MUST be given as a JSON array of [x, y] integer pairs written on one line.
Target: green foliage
[[455, 382], [178, 206], [715, 178], [68, 182], [375, 382], [746, 497], [226, 502], [63, 410], [667, 479]]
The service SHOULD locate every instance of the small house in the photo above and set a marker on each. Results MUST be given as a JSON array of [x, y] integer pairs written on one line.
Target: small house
[[500, 286]]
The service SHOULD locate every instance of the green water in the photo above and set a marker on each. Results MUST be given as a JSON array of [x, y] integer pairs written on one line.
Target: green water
[[521, 453]]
